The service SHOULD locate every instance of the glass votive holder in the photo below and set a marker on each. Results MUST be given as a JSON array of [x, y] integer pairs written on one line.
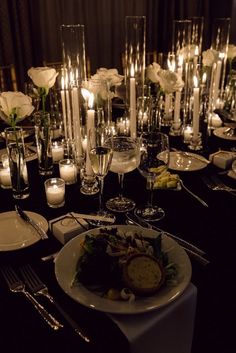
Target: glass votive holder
[[57, 151], [195, 143], [5, 174], [187, 132], [68, 171], [55, 192]]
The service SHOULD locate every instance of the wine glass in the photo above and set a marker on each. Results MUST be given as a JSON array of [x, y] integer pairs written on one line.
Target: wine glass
[[126, 157], [154, 161], [100, 155]]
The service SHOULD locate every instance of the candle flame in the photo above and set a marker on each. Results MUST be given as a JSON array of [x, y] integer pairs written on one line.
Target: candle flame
[[180, 60], [91, 100], [195, 81], [62, 83], [132, 70], [196, 51], [85, 93]]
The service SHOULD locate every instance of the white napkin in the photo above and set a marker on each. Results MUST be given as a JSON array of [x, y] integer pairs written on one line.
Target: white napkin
[[167, 330]]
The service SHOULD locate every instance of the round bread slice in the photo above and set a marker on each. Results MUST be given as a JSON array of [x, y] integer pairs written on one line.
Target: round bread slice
[[143, 274]]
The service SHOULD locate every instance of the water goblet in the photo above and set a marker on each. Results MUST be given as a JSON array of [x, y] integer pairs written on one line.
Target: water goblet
[[100, 155], [154, 161], [126, 158]]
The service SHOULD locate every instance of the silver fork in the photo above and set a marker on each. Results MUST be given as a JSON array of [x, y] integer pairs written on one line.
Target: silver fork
[[17, 286], [214, 183], [37, 287]]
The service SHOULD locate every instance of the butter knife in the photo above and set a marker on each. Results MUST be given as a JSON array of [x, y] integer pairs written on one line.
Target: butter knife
[[26, 218]]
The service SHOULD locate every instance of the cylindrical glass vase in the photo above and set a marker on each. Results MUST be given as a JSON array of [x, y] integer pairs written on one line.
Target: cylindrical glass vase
[[43, 136], [17, 163]]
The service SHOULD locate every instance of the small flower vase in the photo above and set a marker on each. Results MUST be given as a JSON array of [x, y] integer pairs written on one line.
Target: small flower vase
[[17, 163], [43, 136]]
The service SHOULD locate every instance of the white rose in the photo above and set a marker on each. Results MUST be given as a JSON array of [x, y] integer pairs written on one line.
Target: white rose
[[231, 52], [15, 103], [152, 72], [170, 81], [43, 77], [209, 57]]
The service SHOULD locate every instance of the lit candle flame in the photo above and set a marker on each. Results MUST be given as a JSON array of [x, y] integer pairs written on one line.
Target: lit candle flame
[[132, 70], [195, 81], [85, 93], [196, 51], [91, 100]]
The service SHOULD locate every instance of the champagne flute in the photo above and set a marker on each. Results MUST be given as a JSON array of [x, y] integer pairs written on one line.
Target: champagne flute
[[126, 157], [154, 161], [100, 155]]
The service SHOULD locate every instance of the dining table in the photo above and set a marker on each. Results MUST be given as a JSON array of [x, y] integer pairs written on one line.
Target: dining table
[[198, 320]]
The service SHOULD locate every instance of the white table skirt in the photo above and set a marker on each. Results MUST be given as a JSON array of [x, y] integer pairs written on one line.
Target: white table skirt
[[166, 330]]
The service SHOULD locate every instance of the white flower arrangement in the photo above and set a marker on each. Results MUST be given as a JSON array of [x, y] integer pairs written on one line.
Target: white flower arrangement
[[14, 107], [231, 52], [209, 57], [169, 81], [103, 82]]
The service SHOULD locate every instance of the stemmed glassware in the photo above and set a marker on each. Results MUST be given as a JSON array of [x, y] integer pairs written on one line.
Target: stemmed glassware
[[126, 157], [100, 154], [154, 162]]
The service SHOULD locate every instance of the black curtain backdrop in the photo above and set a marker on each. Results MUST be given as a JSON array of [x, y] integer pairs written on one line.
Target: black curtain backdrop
[[30, 29]]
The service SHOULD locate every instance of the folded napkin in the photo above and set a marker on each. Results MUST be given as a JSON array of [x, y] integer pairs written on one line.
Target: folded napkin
[[231, 174], [166, 330]]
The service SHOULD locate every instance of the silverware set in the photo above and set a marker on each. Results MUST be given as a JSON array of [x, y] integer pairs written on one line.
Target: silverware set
[[33, 283]]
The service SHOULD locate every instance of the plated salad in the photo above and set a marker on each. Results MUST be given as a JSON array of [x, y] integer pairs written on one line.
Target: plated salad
[[123, 265]]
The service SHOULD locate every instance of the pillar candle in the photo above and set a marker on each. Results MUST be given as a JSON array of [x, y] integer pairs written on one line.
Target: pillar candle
[[133, 128], [90, 125], [195, 110]]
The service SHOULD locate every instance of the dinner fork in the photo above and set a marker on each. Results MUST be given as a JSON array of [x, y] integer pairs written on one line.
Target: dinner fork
[[37, 287], [17, 286], [214, 183]]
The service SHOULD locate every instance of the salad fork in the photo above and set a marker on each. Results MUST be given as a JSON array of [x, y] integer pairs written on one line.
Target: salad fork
[[17, 286], [37, 287]]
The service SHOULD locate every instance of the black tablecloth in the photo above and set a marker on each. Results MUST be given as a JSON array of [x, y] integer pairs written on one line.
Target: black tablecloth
[[212, 229]]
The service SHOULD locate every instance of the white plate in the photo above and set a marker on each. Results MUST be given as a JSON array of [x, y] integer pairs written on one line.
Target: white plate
[[30, 155], [187, 162], [65, 269], [220, 132], [15, 233]]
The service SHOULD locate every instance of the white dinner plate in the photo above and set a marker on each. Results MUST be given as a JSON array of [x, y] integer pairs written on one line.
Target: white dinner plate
[[65, 269], [30, 154], [187, 162], [16, 234], [220, 132]]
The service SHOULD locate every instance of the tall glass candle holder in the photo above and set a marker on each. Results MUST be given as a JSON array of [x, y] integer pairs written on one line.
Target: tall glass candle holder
[[181, 36], [73, 73], [220, 41], [135, 53]]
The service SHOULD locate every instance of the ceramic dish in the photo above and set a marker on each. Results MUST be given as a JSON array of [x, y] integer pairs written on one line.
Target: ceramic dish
[[187, 161], [65, 269], [16, 234]]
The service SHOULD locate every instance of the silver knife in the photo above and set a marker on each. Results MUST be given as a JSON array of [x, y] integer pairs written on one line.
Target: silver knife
[[181, 241], [43, 235]]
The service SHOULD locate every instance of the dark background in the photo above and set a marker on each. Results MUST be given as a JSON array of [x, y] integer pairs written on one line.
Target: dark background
[[30, 29]]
